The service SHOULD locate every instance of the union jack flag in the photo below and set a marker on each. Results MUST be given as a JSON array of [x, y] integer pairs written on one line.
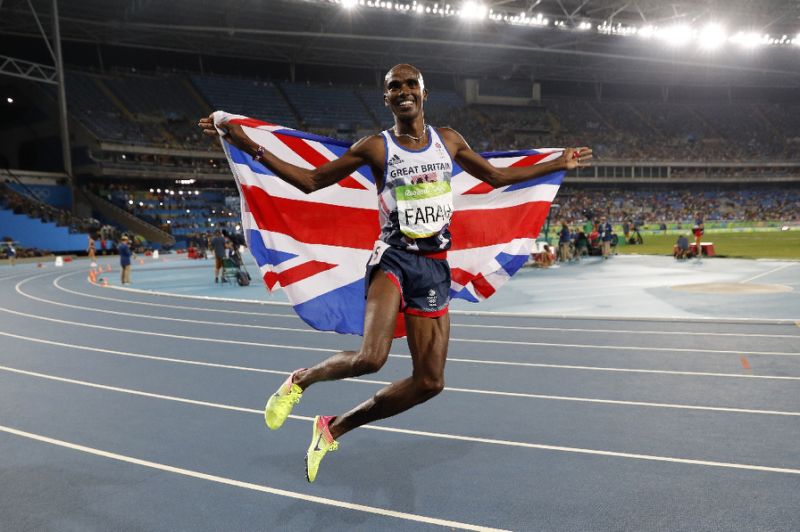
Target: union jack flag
[[316, 246]]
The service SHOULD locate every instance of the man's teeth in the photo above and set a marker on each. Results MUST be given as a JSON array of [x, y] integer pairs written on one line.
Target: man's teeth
[[407, 103]]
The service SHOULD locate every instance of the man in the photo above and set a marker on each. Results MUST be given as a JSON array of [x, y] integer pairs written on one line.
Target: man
[[408, 271], [219, 245], [564, 240], [698, 230], [681, 248], [606, 236], [125, 260]]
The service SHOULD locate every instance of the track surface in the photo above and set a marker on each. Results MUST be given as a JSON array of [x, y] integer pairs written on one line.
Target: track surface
[[129, 411]]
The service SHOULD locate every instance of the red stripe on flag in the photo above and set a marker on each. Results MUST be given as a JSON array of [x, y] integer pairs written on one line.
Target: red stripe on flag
[[315, 158], [250, 122], [462, 277], [484, 188], [303, 271], [302, 148], [486, 227], [312, 222], [350, 182], [271, 278], [482, 286]]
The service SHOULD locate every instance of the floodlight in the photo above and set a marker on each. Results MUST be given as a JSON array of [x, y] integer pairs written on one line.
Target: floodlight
[[748, 39], [349, 4], [676, 35], [10, 99], [473, 11], [711, 37], [646, 32]]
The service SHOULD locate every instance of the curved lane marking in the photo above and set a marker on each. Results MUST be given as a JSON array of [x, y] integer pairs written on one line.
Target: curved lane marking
[[439, 435]]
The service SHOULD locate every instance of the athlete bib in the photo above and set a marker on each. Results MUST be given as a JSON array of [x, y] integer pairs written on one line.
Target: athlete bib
[[416, 202]]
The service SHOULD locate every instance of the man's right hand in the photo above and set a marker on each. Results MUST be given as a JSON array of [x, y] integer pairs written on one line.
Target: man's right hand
[[234, 134]]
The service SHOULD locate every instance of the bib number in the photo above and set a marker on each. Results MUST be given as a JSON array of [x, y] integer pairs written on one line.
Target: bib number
[[424, 209]]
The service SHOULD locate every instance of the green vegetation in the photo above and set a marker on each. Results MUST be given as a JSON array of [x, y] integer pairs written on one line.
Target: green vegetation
[[760, 245]]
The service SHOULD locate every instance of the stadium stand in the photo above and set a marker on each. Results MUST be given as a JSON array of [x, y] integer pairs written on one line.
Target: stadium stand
[[258, 99]]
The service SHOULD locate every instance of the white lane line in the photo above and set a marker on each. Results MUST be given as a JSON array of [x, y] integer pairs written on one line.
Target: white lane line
[[325, 350], [310, 330], [58, 286], [392, 355], [165, 318], [521, 395], [384, 512], [759, 276], [439, 435], [494, 314], [623, 347]]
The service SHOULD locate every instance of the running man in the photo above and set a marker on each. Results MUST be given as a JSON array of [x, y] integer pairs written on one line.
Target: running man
[[408, 271]]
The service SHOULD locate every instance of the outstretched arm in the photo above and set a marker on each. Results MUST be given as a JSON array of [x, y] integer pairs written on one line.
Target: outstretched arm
[[307, 180], [480, 168]]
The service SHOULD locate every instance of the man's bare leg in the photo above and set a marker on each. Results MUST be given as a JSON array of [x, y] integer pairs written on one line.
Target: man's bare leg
[[427, 340], [380, 319]]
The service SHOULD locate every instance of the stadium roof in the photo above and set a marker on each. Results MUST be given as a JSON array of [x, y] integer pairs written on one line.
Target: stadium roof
[[325, 32]]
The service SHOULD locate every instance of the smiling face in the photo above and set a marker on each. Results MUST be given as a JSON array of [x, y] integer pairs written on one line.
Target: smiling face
[[404, 92]]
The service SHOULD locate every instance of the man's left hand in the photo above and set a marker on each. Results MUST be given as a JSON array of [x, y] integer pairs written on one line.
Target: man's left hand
[[576, 158]]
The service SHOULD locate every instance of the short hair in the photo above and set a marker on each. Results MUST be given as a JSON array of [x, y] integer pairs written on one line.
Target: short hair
[[406, 65]]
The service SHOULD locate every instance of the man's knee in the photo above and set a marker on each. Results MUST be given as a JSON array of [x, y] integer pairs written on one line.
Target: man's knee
[[369, 361], [429, 386]]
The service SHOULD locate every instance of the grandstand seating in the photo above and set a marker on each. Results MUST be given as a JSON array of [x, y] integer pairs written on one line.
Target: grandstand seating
[[680, 204], [161, 111], [186, 214], [257, 99], [328, 106]]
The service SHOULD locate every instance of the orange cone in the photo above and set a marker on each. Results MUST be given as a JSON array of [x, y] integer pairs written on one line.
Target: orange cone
[[108, 267], [92, 277]]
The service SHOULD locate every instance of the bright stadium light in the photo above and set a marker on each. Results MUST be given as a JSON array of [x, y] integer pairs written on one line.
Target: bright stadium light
[[473, 11], [349, 4], [711, 37], [676, 35], [645, 32], [10, 99], [748, 39]]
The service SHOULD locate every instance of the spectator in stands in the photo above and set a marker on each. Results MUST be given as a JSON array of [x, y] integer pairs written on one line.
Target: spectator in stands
[[681, 248], [125, 256], [219, 244]]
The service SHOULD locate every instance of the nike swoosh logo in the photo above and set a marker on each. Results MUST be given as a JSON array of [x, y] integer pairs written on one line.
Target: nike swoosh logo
[[316, 447]]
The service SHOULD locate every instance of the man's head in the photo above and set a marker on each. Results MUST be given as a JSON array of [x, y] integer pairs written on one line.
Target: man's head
[[404, 91]]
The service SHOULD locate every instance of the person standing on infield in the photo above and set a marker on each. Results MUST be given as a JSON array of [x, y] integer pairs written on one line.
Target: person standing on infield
[[408, 270]]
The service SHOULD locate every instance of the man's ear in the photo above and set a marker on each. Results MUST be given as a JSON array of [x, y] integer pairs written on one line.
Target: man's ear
[[424, 95], [385, 100]]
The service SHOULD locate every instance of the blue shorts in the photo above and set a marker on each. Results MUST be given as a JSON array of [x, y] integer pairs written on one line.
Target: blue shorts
[[423, 282]]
